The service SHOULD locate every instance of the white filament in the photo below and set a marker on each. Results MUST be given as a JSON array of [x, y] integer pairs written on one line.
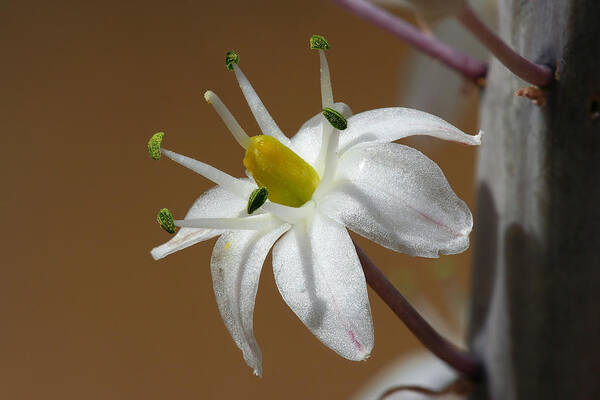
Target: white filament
[[263, 118], [331, 159], [290, 214], [233, 185], [326, 91], [234, 127], [327, 101], [326, 130], [253, 223]]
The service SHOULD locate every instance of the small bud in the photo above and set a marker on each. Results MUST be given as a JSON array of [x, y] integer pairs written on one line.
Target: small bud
[[154, 145], [318, 42], [230, 58], [165, 220], [336, 119], [257, 199]]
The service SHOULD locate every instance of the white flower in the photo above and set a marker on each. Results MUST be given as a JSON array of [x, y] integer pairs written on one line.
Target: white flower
[[422, 370], [324, 180]]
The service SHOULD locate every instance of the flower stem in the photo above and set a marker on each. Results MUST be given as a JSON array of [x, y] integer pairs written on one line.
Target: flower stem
[[459, 359], [469, 67], [537, 74]]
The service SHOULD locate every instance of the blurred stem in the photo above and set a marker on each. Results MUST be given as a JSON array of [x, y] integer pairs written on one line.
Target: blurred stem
[[459, 359], [469, 67], [536, 74]]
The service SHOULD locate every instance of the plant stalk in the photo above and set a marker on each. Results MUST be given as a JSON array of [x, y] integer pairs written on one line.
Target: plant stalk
[[536, 74], [469, 67], [459, 359]]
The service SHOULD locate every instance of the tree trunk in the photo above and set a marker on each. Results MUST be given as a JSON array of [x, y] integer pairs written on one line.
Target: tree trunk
[[536, 280]]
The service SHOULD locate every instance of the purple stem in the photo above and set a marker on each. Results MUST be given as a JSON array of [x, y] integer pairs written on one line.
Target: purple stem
[[537, 74], [467, 66], [459, 359]]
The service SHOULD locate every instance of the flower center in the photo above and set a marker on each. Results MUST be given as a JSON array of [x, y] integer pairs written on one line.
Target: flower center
[[289, 179]]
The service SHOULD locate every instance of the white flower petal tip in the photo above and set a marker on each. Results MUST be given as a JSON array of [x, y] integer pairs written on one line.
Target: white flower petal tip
[[214, 203], [476, 140], [393, 123], [158, 252], [236, 263], [324, 285]]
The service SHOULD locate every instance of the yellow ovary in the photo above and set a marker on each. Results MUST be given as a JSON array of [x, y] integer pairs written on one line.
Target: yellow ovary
[[289, 179]]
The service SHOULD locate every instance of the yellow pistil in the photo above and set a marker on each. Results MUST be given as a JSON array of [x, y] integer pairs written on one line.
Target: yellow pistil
[[289, 179]]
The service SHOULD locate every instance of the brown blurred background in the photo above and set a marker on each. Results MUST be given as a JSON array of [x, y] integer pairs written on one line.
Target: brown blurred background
[[86, 312]]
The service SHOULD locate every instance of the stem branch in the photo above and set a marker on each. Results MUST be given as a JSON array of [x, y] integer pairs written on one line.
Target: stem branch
[[469, 67], [537, 74], [455, 357]]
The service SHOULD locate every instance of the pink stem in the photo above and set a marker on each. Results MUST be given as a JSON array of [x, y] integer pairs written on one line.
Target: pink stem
[[537, 74], [459, 359], [467, 66]]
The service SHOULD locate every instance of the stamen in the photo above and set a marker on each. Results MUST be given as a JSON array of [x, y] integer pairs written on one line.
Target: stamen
[[336, 119], [319, 42], [231, 58], [154, 145], [233, 185], [263, 118], [326, 90], [234, 127], [257, 199], [165, 220], [253, 223], [330, 161], [330, 141]]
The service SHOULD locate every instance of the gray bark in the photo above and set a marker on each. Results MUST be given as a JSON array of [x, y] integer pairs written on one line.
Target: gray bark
[[536, 279]]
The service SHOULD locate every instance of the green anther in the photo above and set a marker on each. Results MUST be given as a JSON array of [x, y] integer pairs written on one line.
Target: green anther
[[154, 145], [336, 119], [257, 199], [318, 42], [165, 220], [230, 58]]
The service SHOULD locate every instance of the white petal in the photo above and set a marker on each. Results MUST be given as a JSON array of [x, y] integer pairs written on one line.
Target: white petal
[[236, 263], [319, 276], [307, 141], [389, 124], [399, 198], [214, 203]]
